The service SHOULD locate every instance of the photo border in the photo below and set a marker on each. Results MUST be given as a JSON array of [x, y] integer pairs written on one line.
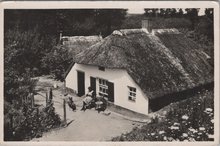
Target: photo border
[[114, 4]]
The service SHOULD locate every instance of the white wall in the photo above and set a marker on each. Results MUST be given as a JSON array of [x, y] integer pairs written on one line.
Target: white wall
[[121, 81]]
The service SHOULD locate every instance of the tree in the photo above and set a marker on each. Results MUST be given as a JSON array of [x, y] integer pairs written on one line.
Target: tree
[[173, 12], [209, 13], [57, 62], [151, 12], [109, 18], [192, 14], [19, 59], [180, 13]]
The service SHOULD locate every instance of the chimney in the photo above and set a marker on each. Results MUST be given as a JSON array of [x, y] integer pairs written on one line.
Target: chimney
[[147, 23]]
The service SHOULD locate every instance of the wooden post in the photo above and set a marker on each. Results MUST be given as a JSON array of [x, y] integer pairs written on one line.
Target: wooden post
[[46, 99], [64, 111], [11, 122], [32, 99]]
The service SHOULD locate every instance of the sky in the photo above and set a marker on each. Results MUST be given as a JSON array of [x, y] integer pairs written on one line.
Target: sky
[[141, 11]]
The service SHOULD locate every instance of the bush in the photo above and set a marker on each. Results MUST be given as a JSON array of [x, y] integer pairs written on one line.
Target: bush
[[189, 120], [28, 122], [57, 62]]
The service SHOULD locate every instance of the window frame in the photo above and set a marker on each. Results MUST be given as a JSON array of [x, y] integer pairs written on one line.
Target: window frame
[[132, 93], [103, 87]]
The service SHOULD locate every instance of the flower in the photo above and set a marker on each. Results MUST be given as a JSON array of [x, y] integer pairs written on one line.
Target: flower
[[185, 135], [176, 124], [185, 117], [152, 134], [191, 139], [174, 128], [212, 121], [211, 136], [164, 138], [161, 132], [201, 128], [208, 110], [192, 130]]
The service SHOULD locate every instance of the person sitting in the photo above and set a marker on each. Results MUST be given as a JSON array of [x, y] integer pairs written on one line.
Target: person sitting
[[88, 99]]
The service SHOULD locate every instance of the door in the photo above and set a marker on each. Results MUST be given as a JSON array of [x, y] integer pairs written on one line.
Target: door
[[81, 83], [93, 85], [110, 91]]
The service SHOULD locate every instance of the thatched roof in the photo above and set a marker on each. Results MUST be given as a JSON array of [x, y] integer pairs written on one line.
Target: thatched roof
[[76, 44], [160, 64]]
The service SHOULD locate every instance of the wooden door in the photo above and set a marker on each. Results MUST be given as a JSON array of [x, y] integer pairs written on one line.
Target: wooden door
[[93, 85], [110, 91], [81, 83]]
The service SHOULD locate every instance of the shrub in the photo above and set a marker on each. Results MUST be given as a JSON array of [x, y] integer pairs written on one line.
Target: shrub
[[189, 120], [29, 122]]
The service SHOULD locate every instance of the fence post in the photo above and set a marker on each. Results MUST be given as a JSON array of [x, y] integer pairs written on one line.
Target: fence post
[[64, 111], [11, 122], [46, 99], [32, 100]]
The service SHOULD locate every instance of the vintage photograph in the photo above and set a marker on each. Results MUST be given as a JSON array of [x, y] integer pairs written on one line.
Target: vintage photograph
[[109, 74]]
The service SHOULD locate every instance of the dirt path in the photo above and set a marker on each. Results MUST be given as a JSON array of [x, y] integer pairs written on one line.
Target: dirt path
[[85, 126]]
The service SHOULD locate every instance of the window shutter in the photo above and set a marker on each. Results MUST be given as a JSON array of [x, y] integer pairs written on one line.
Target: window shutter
[[110, 91], [93, 85]]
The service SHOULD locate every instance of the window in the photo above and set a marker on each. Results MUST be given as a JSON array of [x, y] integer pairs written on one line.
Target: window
[[103, 87], [131, 93], [101, 68]]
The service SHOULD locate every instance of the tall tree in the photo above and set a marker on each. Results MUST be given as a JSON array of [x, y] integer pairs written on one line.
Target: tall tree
[[151, 12], [109, 18], [209, 13], [180, 13], [192, 14]]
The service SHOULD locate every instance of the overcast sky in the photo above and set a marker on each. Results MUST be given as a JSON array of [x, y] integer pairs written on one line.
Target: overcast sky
[[141, 11]]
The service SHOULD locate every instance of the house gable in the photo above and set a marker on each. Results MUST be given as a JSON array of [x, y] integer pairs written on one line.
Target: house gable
[[120, 80]]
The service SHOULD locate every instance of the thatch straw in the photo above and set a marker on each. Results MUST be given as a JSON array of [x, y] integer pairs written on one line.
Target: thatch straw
[[77, 44], [160, 65]]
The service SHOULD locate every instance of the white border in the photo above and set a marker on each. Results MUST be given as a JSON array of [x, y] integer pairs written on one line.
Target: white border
[[115, 4]]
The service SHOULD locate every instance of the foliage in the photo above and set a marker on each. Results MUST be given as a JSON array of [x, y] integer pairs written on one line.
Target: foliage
[[209, 13], [29, 122], [109, 18], [189, 120], [57, 61]]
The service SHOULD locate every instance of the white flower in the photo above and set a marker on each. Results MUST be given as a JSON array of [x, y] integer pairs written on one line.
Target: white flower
[[192, 130], [164, 138], [199, 133], [185, 117], [201, 128], [208, 110], [174, 128], [211, 136], [161, 132], [152, 134], [191, 139], [185, 135], [212, 120], [176, 124]]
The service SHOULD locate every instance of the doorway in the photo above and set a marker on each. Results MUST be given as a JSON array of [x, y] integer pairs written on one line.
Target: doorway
[[81, 83]]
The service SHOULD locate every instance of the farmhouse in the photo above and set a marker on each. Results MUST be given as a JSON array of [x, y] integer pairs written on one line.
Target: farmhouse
[[133, 67]]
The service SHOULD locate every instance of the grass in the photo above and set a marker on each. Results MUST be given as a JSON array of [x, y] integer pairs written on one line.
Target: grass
[[188, 120]]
